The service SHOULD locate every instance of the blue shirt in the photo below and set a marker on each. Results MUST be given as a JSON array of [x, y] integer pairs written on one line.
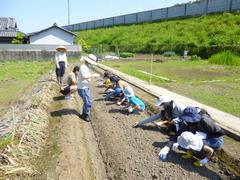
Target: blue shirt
[[136, 102]]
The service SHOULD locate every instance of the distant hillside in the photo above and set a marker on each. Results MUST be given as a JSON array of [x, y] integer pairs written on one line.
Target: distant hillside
[[202, 36]]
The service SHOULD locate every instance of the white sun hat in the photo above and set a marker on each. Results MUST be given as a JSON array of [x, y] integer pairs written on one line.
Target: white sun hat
[[162, 99], [91, 59], [188, 140], [128, 92]]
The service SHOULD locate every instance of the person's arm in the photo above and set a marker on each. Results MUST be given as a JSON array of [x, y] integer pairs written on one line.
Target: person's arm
[[86, 74], [209, 152], [65, 60], [56, 61], [121, 101]]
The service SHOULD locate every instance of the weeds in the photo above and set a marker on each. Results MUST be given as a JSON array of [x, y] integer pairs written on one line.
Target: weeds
[[225, 58]]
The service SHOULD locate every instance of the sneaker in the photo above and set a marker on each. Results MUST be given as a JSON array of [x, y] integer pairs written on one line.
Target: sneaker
[[188, 155], [68, 97], [85, 117]]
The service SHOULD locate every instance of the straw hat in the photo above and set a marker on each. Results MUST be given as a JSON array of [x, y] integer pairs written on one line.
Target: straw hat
[[61, 47], [91, 59], [188, 140]]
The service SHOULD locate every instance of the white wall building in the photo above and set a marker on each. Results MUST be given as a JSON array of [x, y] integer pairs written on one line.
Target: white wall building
[[53, 35]]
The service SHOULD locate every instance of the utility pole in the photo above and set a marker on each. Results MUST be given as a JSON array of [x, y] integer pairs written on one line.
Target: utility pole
[[68, 13]]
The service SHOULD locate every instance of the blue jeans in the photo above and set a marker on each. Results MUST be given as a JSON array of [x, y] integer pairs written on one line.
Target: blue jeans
[[214, 143], [87, 100]]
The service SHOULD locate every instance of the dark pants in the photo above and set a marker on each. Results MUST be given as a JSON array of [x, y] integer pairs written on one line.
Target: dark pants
[[61, 70]]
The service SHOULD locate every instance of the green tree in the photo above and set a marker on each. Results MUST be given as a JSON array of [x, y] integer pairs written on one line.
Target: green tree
[[83, 43], [18, 39]]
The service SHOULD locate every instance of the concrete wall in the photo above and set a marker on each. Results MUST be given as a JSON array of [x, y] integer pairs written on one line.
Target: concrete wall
[[183, 10], [52, 36], [34, 52]]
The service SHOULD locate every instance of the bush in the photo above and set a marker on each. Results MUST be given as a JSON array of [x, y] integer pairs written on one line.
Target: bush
[[225, 58], [126, 54], [83, 43], [169, 53], [18, 39], [195, 58]]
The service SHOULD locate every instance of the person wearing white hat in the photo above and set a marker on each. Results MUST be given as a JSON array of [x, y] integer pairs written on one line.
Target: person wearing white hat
[[169, 112], [134, 103], [60, 62], [84, 79], [194, 144]]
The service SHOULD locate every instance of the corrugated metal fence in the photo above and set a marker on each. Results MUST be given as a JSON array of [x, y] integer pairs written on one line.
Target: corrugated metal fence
[[183, 10]]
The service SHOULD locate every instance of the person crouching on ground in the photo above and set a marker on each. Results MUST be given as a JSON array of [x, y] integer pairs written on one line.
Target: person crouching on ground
[[71, 87], [169, 113], [196, 121], [61, 63], [84, 79], [134, 103], [113, 91], [123, 86], [196, 147], [107, 82]]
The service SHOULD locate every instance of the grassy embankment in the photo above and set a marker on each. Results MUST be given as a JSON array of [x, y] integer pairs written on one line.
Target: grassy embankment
[[16, 77], [194, 79], [202, 36]]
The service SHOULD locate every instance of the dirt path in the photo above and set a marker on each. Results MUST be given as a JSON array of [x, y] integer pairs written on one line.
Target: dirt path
[[73, 152]]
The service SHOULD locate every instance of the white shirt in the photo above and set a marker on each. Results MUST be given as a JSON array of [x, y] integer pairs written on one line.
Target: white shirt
[[60, 57], [83, 73]]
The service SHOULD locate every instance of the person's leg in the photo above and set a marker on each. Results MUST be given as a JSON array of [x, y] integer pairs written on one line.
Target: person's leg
[[62, 71], [73, 89], [214, 143], [58, 74], [87, 102], [150, 119]]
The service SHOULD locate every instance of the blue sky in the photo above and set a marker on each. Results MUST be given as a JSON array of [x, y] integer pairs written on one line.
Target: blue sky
[[34, 15]]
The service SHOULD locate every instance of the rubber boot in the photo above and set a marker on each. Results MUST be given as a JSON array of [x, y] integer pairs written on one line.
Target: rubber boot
[[188, 155]]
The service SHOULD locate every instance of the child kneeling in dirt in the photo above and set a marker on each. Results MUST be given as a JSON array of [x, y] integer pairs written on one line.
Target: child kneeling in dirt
[[134, 103], [195, 145], [71, 87], [195, 122]]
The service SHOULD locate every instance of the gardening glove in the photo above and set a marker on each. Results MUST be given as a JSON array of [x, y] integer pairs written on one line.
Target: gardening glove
[[200, 163], [119, 103], [130, 110], [175, 146], [164, 152]]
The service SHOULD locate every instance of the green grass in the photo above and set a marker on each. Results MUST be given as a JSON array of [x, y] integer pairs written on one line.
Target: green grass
[[202, 36], [190, 76], [16, 77], [226, 58]]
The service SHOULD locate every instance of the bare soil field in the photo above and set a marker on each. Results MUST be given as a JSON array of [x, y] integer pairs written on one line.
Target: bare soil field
[[107, 147]]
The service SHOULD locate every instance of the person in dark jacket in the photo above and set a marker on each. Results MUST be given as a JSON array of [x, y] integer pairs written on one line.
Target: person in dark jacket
[[169, 113], [194, 122]]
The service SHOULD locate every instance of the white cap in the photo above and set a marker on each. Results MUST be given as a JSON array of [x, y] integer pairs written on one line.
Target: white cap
[[162, 99], [128, 92], [188, 140]]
